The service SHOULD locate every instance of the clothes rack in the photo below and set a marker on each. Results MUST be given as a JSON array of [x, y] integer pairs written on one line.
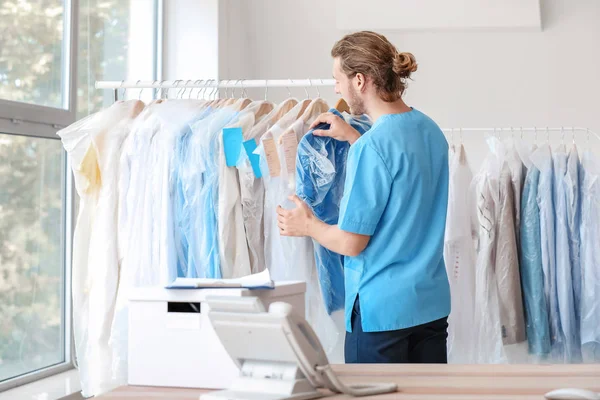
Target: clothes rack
[[213, 83], [306, 83]]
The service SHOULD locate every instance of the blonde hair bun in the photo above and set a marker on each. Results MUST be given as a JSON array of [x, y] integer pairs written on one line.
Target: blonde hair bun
[[405, 64]]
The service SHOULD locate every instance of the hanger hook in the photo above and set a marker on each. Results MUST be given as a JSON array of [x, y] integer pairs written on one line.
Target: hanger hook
[[178, 92], [185, 88], [587, 131], [548, 135], [141, 89], [199, 82], [206, 86], [266, 88], [461, 136], [196, 82], [573, 135], [535, 132], [191, 88], [288, 89], [153, 88], [215, 88], [521, 129], [202, 89], [306, 91], [244, 90], [562, 135], [239, 82], [318, 92], [121, 87]]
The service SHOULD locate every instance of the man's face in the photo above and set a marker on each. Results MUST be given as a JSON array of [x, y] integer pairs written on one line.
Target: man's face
[[346, 87]]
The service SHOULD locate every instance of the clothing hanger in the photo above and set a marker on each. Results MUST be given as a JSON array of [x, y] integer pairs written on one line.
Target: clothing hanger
[[342, 106], [244, 101], [316, 105]]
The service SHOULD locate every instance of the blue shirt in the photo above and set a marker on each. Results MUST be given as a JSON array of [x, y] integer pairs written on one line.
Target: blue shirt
[[320, 175], [396, 191], [532, 273]]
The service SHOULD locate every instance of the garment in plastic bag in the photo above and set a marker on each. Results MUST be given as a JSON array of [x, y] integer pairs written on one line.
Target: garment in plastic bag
[[542, 159], [233, 237], [94, 145], [320, 176], [187, 182], [165, 121], [574, 200], [460, 257], [200, 180], [252, 191], [532, 274], [590, 258], [292, 258], [489, 348], [499, 314], [564, 280]]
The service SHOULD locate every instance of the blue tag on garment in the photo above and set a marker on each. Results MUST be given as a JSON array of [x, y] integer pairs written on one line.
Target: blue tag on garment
[[250, 146], [232, 145]]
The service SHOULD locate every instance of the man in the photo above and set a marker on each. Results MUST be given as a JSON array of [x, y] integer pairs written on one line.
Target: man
[[392, 214]]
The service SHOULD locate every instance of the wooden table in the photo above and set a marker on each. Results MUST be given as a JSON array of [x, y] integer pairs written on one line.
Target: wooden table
[[431, 382]]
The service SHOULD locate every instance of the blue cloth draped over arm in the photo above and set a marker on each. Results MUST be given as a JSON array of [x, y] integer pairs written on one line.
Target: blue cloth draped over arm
[[320, 175]]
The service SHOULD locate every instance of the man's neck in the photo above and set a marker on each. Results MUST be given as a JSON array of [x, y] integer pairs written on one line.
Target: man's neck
[[381, 107]]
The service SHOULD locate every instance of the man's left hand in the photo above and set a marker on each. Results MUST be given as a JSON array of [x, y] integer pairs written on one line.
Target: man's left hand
[[297, 221]]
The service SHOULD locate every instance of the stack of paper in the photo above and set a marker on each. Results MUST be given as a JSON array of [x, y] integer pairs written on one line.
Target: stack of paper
[[261, 280]]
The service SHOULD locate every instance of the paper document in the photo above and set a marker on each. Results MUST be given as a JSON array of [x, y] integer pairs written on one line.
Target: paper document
[[261, 280]]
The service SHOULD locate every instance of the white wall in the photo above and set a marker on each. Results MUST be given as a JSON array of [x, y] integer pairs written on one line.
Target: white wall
[[465, 79], [191, 46]]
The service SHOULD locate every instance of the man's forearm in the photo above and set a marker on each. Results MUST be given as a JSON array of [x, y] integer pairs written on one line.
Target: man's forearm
[[335, 239]]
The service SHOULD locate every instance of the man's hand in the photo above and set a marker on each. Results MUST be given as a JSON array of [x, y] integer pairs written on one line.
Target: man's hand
[[339, 129], [295, 222]]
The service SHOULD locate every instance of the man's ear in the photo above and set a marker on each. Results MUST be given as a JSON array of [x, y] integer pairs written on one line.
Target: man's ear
[[361, 82]]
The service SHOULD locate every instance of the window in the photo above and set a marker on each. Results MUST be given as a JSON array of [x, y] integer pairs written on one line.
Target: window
[[32, 52], [32, 318], [117, 41], [40, 94]]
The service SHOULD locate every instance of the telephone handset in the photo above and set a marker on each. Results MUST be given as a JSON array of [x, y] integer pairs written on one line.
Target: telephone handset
[[279, 355], [312, 359]]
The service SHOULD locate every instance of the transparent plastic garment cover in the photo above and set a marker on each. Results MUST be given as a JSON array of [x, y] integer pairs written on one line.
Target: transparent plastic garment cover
[[320, 176], [94, 144], [459, 257], [292, 258]]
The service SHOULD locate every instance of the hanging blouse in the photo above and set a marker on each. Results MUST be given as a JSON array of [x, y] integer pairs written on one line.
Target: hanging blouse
[[590, 258], [542, 159], [564, 280], [94, 145], [532, 274], [574, 200], [233, 247], [460, 257]]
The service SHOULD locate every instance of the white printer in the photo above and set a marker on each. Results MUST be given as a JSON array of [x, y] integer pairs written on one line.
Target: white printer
[[172, 342]]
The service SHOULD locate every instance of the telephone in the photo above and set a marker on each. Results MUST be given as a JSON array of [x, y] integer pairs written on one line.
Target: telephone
[[277, 351]]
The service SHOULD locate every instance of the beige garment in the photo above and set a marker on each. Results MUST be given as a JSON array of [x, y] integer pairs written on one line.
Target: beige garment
[[507, 264], [233, 245], [499, 316]]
